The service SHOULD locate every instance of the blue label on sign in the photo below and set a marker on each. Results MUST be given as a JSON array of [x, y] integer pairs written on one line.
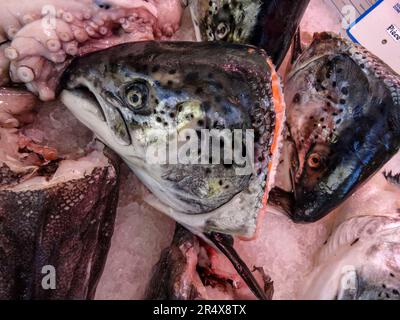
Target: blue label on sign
[[366, 13]]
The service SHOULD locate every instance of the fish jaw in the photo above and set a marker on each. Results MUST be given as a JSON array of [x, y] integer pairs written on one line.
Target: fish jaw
[[188, 86], [343, 108]]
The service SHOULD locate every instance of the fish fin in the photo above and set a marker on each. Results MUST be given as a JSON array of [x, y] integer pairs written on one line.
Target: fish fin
[[348, 284], [225, 244]]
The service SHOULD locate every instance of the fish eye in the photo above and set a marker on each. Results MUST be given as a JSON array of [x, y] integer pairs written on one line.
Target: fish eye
[[222, 31], [136, 96], [103, 4], [314, 161]]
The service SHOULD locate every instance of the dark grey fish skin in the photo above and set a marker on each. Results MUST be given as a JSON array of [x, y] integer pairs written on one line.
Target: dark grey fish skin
[[37, 230], [268, 24], [68, 226], [343, 116]]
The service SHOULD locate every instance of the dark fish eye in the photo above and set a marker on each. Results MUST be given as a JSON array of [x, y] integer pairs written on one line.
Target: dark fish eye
[[222, 31], [136, 96], [103, 4], [314, 161]]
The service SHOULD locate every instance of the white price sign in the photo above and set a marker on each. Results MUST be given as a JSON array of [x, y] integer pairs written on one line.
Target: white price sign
[[378, 30]]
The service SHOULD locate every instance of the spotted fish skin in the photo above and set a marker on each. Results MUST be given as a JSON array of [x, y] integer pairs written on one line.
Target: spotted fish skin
[[185, 86], [268, 24], [343, 115], [232, 21]]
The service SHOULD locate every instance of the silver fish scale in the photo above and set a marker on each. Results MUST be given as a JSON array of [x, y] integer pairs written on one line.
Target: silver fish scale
[[264, 111], [371, 65]]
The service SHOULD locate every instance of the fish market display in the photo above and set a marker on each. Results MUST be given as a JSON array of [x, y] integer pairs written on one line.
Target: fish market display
[[130, 101], [267, 24], [129, 113], [360, 258], [190, 270], [343, 123], [169, 162], [142, 231], [40, 37], [142, 106], [58, 196]]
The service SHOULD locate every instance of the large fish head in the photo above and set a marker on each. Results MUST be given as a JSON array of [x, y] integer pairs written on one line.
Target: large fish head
[[343, 126], [141, 97]]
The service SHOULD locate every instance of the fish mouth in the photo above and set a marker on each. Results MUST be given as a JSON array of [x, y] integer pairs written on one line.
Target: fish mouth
[[87, 99], [86, 107], [221, 86], [287, 203], [94, 111], [198, 199], [82, 100], [284, 193]]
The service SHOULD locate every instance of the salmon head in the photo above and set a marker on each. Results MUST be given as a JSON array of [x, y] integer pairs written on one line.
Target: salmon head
[[343, 119], [196, 122]]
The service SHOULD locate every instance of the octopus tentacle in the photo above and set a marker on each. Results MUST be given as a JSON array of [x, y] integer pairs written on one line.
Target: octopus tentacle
[[46, 34]]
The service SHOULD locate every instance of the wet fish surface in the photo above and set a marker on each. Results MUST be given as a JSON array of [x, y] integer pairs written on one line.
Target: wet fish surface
[[358, 262], [57, 216], [360, 259], [178, 86], [343, 121], [132, 94]]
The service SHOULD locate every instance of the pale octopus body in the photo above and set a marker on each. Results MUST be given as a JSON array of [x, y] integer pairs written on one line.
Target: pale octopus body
[[40, 37]]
